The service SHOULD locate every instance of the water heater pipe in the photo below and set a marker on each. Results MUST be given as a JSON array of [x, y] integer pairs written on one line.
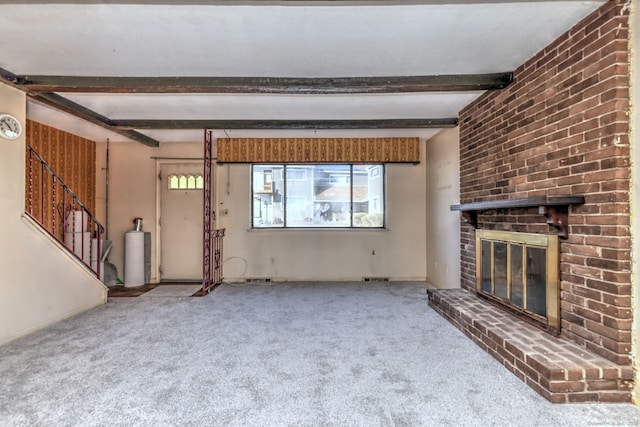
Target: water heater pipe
[[106, 197]]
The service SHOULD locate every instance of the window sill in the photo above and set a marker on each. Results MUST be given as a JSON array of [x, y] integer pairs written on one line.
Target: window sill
[[316, 229]]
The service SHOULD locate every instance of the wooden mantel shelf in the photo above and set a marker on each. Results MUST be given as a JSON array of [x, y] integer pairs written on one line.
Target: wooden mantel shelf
[[554, 208]]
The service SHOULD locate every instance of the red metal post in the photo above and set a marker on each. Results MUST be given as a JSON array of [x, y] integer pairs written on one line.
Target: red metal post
[[30, 181], [211, 239], [206, 226], [63, 214], [42, 190], [99, 251], [53, 206], [217, 256]]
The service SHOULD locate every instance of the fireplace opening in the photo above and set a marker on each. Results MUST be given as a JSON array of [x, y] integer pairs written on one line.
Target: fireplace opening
[[520, 272]]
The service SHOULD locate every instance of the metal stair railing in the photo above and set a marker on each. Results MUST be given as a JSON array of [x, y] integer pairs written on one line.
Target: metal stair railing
[[53, 205], [211, 239]]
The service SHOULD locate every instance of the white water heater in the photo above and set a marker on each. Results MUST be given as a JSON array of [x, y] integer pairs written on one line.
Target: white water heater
[[134, 258]]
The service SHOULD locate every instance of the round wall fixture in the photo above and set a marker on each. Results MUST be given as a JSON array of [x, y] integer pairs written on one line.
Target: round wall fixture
[[10, 127]]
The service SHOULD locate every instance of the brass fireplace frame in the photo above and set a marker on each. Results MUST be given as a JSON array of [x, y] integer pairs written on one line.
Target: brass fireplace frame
[[550, 243]]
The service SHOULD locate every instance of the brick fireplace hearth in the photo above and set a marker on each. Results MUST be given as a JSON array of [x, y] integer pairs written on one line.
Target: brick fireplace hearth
[[561, 128], [559, 370]]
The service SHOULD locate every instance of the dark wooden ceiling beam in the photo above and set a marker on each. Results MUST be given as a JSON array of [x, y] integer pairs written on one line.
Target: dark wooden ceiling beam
[[287, 124], [42, 88], [267, 85], [63, 104]]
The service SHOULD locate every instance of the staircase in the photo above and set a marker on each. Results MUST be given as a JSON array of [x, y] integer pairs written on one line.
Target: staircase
[[52, 204]]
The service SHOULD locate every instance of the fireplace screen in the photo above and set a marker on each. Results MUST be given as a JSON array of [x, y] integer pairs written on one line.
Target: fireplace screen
[[520, 271]]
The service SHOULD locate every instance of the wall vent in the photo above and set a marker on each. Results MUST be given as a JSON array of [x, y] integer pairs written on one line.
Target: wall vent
[[375, 279], [258, 280]]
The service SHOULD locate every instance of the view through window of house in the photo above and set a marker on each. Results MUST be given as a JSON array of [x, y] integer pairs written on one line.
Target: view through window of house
[[308, 195], [186, 182]]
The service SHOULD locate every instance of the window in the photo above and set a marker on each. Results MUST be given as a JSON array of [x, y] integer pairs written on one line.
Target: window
[[298, 174], [185, 182], [317, 196]]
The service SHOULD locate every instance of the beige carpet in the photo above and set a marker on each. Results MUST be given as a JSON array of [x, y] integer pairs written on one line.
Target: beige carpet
[[172, 291], [292, 354]]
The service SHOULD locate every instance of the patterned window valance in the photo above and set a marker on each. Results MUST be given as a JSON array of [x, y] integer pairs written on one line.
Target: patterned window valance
[[318, 150]]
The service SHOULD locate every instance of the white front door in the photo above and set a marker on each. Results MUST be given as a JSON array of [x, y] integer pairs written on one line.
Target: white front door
[[181, 203]]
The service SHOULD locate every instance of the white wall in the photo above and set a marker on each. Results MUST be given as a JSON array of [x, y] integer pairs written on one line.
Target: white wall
[[132, 194], [39, 283], [398, 253], [443, 225]]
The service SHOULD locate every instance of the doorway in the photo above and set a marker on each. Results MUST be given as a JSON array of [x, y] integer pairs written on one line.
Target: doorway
[[181, 204]]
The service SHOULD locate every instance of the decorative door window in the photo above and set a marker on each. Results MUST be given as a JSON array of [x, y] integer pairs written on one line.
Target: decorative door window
[[186, 182]]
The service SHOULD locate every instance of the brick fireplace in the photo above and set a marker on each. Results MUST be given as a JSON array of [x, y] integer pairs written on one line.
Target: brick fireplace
[[560, 129]]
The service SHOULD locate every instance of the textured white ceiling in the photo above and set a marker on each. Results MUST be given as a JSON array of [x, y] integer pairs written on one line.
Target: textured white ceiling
[[328, 39], [276, 107]]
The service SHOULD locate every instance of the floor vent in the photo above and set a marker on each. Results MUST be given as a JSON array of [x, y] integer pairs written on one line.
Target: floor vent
[[258, 280], [375, 279]]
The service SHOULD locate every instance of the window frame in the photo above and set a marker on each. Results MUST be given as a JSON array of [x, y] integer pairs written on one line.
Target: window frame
[[381, 198]]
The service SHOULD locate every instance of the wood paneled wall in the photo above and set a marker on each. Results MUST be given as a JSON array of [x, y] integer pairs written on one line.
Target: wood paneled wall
[[318, 150], [71, 157]]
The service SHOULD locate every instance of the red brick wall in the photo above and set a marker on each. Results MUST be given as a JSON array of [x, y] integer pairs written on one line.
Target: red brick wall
[[562, 128]]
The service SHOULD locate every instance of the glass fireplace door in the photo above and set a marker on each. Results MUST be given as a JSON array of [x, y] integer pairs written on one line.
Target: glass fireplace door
[[520, 271]]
